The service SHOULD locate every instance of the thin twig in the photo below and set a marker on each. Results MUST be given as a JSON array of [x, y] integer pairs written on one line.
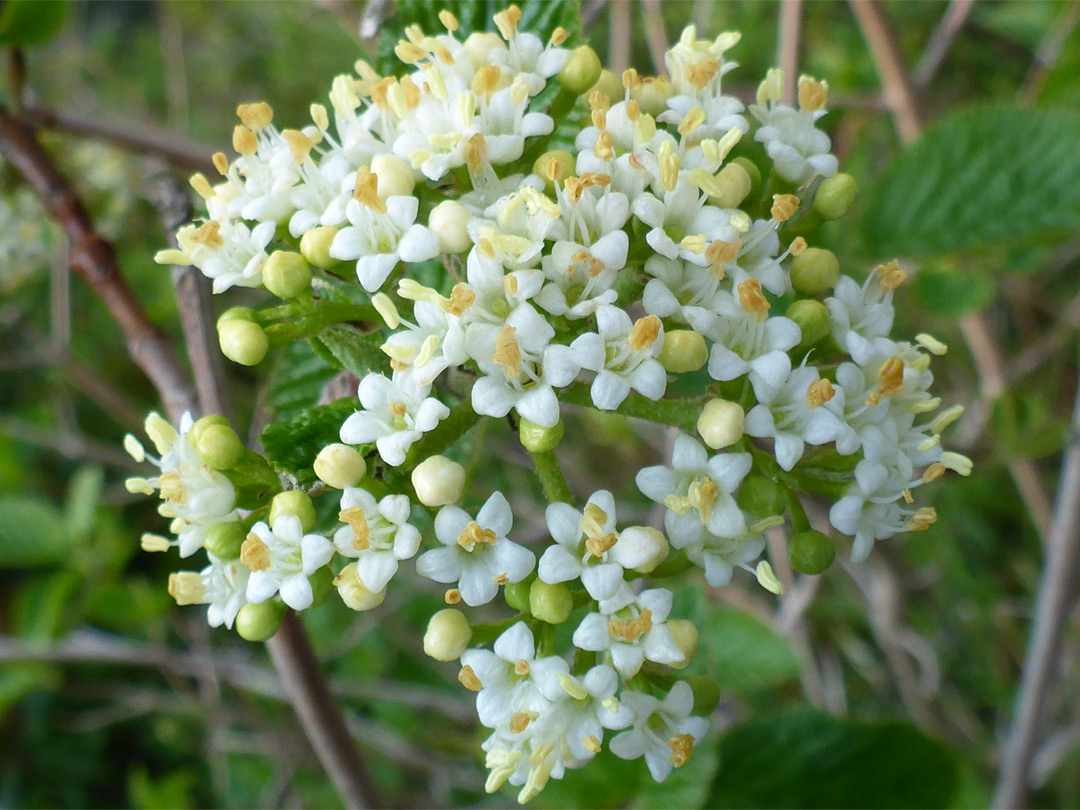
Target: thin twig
[[787, 47], [619, 35], [68, 445], [941, 41], [890, 66], [655, 34], [1047, 54], [94, 260]]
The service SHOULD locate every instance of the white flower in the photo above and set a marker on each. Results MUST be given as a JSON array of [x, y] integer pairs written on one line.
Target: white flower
[[229, 253], [221, 585], [862, 317], [262, 179], [527, 56], [433, 344], [683, 215], [663, 731], [798, 149], [632, 628], [476, 553], [583, 545], [513, 229], [745, 340], [788, 412], [720, 556], [623, 355], [686, 292], [697, 491], [377, 534], [396, 414], [281, 559], [323, 193], [381, 235], [758, 258]]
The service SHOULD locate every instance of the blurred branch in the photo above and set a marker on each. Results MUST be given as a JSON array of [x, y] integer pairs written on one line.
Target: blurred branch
[[655, 34], [68, 445], [1051, 610], [619, 36], [94, 260], [788, 46], [1048, 52], [941, 41]]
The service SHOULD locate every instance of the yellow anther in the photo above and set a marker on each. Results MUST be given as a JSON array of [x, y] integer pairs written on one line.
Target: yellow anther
[[300, 145], [473, 533], [701, 73], [572, 687], [702, 496], [599, 118], [933, 472], [923, 519], [187, 588], [819, 392], [398, 409], [946, 418], [644, 333], [256, 116], [691, 121], [386, 309], [411, 92], [591, 744], [633, 110], [753, 300], [320, 117], [812, 94], [461, 298], [957, 462], [599, 101], [558, 36], [209, 235], [357, 520], [784, 206], [154, 543], [467, 678], [486, 80], [682, 746], [891, 275], [507, 351], [506, 22], [630, 630], [694, 243], [797, 246], [449, 21], [679, 504], [599, 544], [931, 344], [522, 667], [221, 163], [409, 53], [452, 596], [244, 141], [890, 380], [366, 190], [475, 151], [604, 148], [630, 79], [255, 554], [519, 721]]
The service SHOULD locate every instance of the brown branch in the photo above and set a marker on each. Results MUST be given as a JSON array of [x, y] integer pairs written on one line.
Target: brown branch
[[655, 34], [788, 46], [941, 41], [619, 36], [93, 260]]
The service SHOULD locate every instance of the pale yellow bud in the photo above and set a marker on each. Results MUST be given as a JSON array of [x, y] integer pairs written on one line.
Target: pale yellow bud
[[448, 635], [395, 176], [315, 246], [721, 423], [438, 481], [352, 590], [685, 635], [340, 466], [449, 222]]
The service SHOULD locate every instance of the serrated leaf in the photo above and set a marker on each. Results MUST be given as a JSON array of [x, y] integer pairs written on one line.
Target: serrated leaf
[[951, 293], [292, 446], [979, 178], [32, 532], [298, 379], [353, 351], [31, 22], [807, 758]]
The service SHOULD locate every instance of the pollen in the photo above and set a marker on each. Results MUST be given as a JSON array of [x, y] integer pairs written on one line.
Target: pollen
[[784, 207], [599, 118], [244, 141], [519, 721], [154, 543], [819, 392], [521, 667], [300, 145], [366, 190], [187, 588], [644, 334], [506, 22], [890, 380], [891, 275], [202, 186], [319, 116], [486, 80], [507, 351], [719, 254], [702, 73], [630, 630], [452, 596], [599, 544], [398, 409], [475, 151], [590, 743], [449, 21], [256, 116], [408, 53], [630, 79], [255, 554], [209, 235], [702, 496], [473, 533], [691, 121], [753, 300], [923, 519], [797, 246], [558, 36], [461, 298], [933, 472], [604, 148], [467, 678], [812, 94], [633, 110], [221, 163], [682, 746]]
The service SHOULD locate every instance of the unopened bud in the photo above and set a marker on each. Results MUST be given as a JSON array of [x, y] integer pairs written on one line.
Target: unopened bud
[[683, 351], [219, 447], [537, 439], [753, 171], [352, 590], [835, 196], [293, 502], [479, 46], [554, 167], [235, 314], [761, 497], [582, 71], [448, 635], [811, 552], [223, 540], [315, 246], [653, 95], [736, 184], [721, 423], [259, 621], [516, 594], [449, 222], [438, 481], [339, 466], [550, 603], [814, 271], [812, 318], [685, 635], [243, 342], [286, 274], [395, 176], [610, 85], [640, 548], [202, 424]]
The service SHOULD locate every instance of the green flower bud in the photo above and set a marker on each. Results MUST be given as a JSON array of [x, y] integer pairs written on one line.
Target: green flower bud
[[339, 466], [286, 274], [610, 85], [761, 497], [754, 172], [516, 594], [550, 603], [553, 166], [537, 439], [814, 271], [315, 246], [811, 552], [243, 342], [236, 314], [223, 540], [352, 590], [652, 94], [395, 176], [582, 71], [438, 481], [835, 196], [736, 182], [219, 447], [322, 585], [448, 635], [202, 424], [259, 622], [685, 635], [721, 423], [706, 694], [683, 351], [813, 319], [293, 502], [449, 222]]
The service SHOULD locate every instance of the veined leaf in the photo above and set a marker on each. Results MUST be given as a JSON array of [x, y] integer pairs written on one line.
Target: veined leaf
[[292, 446], [32, 532], [298, 379], [353, 351]]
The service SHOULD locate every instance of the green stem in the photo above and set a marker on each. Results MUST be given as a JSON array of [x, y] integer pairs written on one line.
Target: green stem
[[312, 321], [551, 477], [799, 521], [680, 413], [489, 631]]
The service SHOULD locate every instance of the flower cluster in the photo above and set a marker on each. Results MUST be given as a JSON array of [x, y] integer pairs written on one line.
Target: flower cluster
[[516, 268]]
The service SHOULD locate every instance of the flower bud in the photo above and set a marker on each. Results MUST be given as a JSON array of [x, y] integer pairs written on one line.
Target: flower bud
[[683, 351], [243, 342], [721, 423], [293, 502], [835, 196], [219, 447], [339, 466], [761, 497], [653, 94], [537, 439], [479, 46], [315, 246], [610, 85], [811, 552], [812, 318], [322, 585], [582, 71], [814, 271], [223, 540], [736, 184], [259, 621], [236, 314], [394, 175], [448, 635], [557, 164], [202, 424], [352, 590], [706, 694], [449, 222], [753, 171], [640, 548], [516, 594], [685, 635], [438, 481], [550, 603], [286, 274]]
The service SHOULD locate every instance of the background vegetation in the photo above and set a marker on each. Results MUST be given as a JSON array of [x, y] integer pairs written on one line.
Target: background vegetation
[[890, 684]]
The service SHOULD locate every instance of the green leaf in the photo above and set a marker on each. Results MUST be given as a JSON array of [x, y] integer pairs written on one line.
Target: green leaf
[[84, 495], [298, 379], [31, 22], [291, 446], [352, 350], [807, 758], [951, 293], [32, 532], [979, 178]]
